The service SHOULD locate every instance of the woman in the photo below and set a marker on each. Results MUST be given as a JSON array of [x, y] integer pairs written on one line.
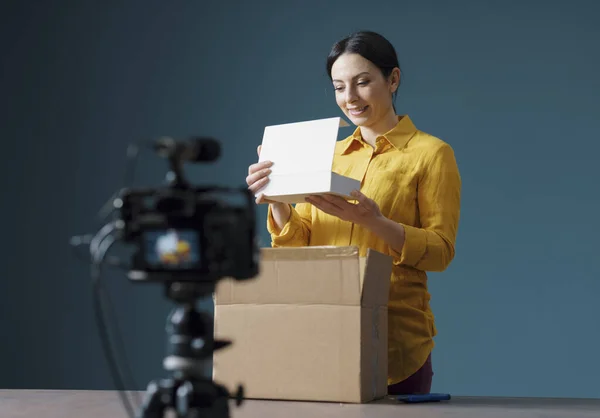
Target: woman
[[408, 205]]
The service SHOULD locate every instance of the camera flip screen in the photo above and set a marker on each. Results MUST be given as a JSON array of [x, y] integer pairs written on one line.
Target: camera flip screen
[[172, 249]]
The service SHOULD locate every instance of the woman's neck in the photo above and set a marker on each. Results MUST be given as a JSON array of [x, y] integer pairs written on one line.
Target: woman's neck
[[387, 123]]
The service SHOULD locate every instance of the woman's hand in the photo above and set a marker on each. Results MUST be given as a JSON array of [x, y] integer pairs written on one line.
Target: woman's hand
[[364, 212], [258, 177]]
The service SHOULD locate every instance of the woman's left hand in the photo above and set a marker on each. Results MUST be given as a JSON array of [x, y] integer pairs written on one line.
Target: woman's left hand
[[364, 212]]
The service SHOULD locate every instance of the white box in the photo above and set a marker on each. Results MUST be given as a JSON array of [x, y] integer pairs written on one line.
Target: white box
[[302, 155]]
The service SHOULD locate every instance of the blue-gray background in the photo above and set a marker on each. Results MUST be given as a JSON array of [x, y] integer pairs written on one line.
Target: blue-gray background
[[513, 86]]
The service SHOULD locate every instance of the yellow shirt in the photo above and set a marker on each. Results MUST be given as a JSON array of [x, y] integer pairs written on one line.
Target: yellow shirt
[[414, 178]]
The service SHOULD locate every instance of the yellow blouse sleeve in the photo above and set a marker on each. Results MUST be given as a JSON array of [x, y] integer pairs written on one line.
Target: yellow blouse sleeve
[[296, 232], [431, 247]]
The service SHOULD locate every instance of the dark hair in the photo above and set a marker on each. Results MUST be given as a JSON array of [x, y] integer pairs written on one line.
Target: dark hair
[[371, 46]]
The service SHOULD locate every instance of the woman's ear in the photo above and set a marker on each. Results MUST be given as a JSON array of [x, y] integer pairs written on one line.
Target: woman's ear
[[395, 80]]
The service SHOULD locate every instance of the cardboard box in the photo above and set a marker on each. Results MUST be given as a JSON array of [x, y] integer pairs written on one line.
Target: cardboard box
[[311, 327], [302, 155]]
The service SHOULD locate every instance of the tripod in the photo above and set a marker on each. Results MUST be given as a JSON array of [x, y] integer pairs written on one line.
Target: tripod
[[190, 344]]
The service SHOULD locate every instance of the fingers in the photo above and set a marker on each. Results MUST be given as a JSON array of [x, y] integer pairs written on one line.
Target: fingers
[[258, 171], [364, 204], [260, 198], [258, 185], [325, 203], [258, 179], [253, 168], [335, 200], [327, 199], [258, 176], [359, 196]]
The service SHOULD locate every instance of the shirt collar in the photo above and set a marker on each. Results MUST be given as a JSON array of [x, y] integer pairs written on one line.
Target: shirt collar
[[398, 136]]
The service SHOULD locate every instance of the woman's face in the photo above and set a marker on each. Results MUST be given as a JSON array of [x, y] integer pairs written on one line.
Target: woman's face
[[361, 90]]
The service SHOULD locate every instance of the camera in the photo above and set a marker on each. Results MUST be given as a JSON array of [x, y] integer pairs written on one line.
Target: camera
[[185, 238], [189, 235]]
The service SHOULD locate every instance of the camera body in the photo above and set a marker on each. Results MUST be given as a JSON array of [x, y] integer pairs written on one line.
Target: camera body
[[190, 234]]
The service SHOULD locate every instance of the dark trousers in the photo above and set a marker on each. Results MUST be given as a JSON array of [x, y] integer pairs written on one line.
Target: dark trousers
[[417, 383]]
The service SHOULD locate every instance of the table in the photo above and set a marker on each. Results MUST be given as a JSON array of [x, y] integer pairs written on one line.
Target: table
[[101, 404]]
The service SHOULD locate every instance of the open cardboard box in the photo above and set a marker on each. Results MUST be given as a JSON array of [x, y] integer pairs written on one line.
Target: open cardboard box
[[302, 155], [311, 327]]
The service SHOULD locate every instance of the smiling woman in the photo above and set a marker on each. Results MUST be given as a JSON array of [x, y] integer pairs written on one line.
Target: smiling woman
[[408, 205]]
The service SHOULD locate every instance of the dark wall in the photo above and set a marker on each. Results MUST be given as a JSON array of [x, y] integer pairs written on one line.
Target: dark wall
[[513, 86]]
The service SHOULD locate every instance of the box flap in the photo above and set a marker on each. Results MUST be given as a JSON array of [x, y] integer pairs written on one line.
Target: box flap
[[313, 275], [376, 271], [332, 276]]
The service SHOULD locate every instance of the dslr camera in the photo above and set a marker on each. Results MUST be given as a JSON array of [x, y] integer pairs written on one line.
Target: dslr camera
[[189, 234]]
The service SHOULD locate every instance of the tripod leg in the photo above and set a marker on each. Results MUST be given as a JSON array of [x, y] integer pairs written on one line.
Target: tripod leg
[[158, 397], [202, 399]]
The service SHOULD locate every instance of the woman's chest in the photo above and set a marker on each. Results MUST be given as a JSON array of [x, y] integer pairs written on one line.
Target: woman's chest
[[390, 179]]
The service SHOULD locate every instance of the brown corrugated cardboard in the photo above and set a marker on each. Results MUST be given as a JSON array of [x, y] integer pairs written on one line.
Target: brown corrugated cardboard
[[312, 326]]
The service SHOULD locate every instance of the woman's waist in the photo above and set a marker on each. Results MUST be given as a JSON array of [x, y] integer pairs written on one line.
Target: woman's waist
[[408, 285]]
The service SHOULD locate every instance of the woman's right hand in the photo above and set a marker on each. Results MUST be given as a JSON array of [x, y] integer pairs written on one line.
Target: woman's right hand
[[258, 177]]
